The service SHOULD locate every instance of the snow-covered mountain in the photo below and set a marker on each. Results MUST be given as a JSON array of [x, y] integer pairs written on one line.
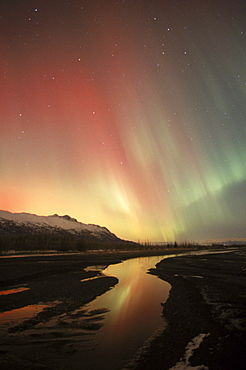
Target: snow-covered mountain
[[15, 223]]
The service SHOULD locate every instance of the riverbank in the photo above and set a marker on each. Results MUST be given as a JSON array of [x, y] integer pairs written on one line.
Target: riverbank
[[49, 322], [43, 320], [206, 309]]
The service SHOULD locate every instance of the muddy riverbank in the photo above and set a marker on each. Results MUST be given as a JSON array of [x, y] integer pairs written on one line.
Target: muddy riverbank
[[42, 315], [45, 323], [205, 312]]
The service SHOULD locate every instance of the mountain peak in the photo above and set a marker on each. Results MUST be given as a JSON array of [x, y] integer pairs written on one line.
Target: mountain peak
[[65, 217], [26, 222]]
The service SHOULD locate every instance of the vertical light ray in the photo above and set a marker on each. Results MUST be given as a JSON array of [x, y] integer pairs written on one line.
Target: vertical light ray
[[126, 115]]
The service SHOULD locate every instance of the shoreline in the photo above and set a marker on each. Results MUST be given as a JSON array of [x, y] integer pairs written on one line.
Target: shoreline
[[51, 290], [205, 314], [191, 311], [12, 274]]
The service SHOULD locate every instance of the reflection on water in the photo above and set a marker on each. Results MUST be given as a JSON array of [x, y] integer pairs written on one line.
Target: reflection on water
[[107, 332], [135, 313], [13, 291], [20, 314]]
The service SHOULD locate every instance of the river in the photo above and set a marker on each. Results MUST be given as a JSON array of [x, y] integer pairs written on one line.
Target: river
[[133, 317]]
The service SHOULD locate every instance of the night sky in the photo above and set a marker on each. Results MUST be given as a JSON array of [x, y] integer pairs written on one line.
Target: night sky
[[127, 114]]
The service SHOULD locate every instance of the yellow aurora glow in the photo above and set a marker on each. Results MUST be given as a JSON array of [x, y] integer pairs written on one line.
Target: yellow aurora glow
[[129, 118]]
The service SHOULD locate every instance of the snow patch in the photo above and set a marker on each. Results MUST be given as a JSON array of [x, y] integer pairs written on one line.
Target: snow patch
[[184, 363]]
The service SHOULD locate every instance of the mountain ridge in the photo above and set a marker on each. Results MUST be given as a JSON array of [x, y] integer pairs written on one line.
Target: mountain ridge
[[31, 230]]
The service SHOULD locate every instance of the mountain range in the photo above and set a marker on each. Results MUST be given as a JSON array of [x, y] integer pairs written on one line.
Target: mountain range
[[26, 229]]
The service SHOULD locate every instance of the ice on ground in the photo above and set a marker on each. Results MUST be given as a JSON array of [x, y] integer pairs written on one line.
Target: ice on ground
[[184, 363]]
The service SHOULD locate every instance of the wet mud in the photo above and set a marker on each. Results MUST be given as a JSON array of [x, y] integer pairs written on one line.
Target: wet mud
[[207, 304], [42, 318], [44, 322]]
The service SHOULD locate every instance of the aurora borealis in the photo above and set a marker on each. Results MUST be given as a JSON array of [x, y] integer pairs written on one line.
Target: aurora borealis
[[126, 114]]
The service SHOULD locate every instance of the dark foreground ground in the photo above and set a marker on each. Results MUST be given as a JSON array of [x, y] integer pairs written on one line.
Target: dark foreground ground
[[49, 317], [206, 309]]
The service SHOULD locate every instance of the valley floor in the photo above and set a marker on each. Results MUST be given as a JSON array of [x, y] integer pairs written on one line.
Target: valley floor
[[206, 314], [42, 298], [205, 311]]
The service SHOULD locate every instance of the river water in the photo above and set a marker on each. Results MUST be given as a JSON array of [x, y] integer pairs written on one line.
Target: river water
[[133, 317]]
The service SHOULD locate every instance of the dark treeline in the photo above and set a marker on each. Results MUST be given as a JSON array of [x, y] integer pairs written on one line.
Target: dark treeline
[[67, 242], [44, 241]]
